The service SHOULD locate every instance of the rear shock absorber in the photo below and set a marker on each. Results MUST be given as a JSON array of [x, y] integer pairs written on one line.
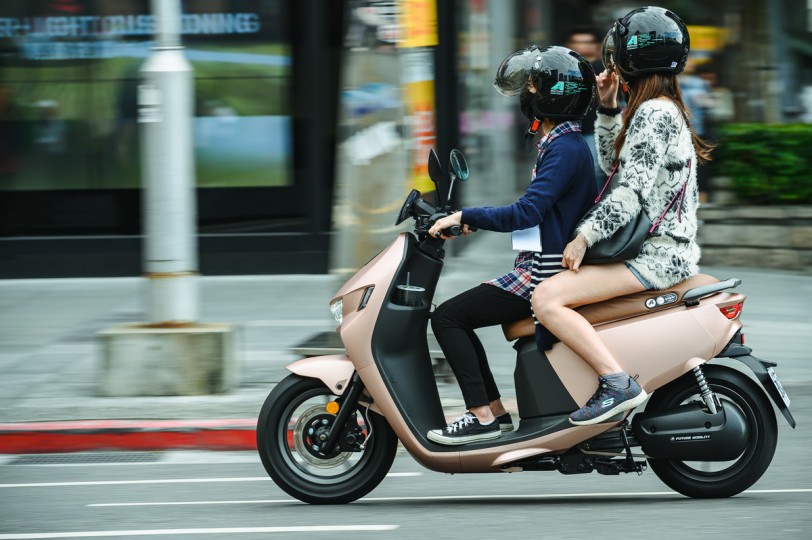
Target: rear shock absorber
[[707, 395]]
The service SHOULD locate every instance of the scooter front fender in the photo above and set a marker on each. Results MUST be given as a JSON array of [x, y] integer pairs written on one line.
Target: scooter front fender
[[334, 371]]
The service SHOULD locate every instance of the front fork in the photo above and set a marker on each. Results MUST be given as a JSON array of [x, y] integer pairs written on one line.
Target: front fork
[[346, 410]]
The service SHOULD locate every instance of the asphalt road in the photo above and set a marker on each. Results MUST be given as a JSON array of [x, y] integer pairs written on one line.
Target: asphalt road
[[218, 495]]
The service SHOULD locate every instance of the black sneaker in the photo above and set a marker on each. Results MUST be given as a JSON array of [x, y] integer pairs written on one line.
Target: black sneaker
[[465, 429], [608, 401], [505, 422]]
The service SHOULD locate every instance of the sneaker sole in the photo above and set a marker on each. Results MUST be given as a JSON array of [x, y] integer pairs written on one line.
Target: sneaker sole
[[506, 427], [625, 406], [442, 439]]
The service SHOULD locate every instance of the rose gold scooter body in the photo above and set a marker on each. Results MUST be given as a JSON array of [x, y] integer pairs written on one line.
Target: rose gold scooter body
[[658, 346]]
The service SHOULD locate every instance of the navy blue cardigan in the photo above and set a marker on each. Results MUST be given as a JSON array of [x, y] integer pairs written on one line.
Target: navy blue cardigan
[[561, 192], [559, 195]]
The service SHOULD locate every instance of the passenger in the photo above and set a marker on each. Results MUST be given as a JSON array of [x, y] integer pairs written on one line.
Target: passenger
[[556, 88], [655, 147]]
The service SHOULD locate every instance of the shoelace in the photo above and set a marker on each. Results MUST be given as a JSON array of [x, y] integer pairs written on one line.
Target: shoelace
[[463, 420], [597, 393]]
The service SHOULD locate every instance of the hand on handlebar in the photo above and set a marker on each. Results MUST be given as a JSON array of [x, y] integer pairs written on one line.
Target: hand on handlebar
[[450, 227]]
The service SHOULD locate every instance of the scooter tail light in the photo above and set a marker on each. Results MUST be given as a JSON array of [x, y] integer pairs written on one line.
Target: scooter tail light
[[732, 312]]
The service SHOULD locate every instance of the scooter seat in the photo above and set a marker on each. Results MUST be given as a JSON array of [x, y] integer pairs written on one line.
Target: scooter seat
[[622, 307]]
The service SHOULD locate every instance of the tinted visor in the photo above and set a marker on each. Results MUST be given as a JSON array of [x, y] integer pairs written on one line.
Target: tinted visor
[[515, 70], [608, 50]]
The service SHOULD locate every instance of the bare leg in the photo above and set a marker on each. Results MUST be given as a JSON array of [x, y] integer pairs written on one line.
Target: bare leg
[[554, 301], [488, 413], [483, 414], [497, 407]]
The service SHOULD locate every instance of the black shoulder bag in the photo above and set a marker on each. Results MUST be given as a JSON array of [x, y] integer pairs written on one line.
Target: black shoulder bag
[[625, 244]]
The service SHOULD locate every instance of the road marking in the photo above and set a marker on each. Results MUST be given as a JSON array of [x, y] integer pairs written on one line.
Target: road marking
[[288, 322], [483, 498], [166, 481], [221, 531]]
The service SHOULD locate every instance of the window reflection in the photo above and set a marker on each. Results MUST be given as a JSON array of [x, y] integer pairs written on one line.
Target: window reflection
[[68, 92]]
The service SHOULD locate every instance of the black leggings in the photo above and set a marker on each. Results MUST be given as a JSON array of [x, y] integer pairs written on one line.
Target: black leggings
[[454, 322]]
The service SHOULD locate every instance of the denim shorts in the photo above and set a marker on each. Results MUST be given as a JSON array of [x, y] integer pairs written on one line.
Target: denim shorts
[[640, 278]]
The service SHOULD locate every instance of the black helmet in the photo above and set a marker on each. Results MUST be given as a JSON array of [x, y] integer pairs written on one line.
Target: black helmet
[[647, 40], [564, 81]]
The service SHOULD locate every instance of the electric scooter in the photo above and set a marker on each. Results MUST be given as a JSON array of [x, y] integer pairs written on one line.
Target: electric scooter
[[329, 431]]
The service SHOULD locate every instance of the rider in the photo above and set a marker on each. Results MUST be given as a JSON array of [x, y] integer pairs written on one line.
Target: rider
[[655, 147], [556, 87]]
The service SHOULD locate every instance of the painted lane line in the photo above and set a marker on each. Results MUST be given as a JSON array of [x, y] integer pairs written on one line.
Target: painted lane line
[[221, 531], [126, 482], [483, 498], [167, 481]]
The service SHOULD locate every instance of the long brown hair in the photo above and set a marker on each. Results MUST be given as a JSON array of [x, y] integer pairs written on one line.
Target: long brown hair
[[653, 86]]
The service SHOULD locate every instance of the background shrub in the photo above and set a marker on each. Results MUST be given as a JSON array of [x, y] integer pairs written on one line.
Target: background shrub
[[767, 164]]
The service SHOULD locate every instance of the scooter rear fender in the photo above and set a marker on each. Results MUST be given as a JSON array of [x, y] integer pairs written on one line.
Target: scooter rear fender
[[736, 350], [759, 368]]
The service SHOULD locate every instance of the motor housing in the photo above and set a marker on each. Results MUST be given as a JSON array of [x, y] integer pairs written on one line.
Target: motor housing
[[691, 433]]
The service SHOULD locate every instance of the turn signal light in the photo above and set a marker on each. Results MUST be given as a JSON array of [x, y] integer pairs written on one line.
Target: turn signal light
[[732, 312]]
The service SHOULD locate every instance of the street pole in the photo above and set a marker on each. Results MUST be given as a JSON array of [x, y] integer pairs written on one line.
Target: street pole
[[172, 354], [165, 105]]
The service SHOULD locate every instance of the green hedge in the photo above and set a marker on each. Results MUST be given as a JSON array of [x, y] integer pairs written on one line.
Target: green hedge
[[768, 164]]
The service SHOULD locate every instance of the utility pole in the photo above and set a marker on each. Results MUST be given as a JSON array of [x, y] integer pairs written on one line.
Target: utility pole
[[165, 111], [172, 353]]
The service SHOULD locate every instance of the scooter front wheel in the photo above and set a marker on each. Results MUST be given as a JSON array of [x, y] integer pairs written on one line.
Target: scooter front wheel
[[720, 479], [290, 430]]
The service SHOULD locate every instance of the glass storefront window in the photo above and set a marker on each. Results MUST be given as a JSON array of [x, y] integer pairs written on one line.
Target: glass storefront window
[[69, 72]]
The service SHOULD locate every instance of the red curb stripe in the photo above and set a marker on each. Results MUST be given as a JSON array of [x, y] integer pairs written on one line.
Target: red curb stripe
[[141, 425], [78, 436]]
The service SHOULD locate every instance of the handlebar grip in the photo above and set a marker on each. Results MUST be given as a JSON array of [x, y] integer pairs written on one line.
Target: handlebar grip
[[454, 230]]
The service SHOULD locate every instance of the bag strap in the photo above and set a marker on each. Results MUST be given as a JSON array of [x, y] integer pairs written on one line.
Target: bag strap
[[681, 194], [611, 175]]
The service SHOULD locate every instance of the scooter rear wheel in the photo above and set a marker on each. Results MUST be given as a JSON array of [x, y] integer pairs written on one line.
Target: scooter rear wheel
[[287, 441], [728, 478]]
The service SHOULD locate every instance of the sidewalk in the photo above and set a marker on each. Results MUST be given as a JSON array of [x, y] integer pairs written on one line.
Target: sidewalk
[[49, 350]]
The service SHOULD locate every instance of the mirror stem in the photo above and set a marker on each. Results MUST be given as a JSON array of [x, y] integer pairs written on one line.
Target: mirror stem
[[450, 189]]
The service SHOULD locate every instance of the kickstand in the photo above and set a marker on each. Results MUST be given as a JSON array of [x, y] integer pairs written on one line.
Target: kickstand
[[629, 463]]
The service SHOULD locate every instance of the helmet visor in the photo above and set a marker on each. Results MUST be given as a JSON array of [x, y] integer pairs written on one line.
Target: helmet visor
[[608, 50], [515, 71]]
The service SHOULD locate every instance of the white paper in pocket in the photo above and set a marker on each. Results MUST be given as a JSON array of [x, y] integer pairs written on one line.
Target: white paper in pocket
[[527, 239]]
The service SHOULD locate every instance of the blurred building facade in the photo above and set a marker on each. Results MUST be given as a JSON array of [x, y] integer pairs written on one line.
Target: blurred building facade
[[312, 117]]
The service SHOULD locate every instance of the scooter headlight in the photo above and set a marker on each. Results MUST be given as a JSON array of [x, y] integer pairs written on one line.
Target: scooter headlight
[[337, 308]]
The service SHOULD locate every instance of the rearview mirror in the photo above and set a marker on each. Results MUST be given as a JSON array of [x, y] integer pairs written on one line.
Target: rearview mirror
[[458, 165], [435, 169]]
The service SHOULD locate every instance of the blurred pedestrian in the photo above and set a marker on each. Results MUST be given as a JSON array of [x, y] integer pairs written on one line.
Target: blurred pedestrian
[[697, 96], [719, 110], [561, 86], [652, 149], [698, 100], [586, 41]]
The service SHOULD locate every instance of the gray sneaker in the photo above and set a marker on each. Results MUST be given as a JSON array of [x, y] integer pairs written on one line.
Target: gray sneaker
[[465, 429], [608, 401]]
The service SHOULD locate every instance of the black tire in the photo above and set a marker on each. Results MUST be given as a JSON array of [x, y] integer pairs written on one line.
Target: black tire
[[346, 476], [715, 479]]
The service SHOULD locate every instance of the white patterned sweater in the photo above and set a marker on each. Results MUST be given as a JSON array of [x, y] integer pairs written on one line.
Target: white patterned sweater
[[656, 158]]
